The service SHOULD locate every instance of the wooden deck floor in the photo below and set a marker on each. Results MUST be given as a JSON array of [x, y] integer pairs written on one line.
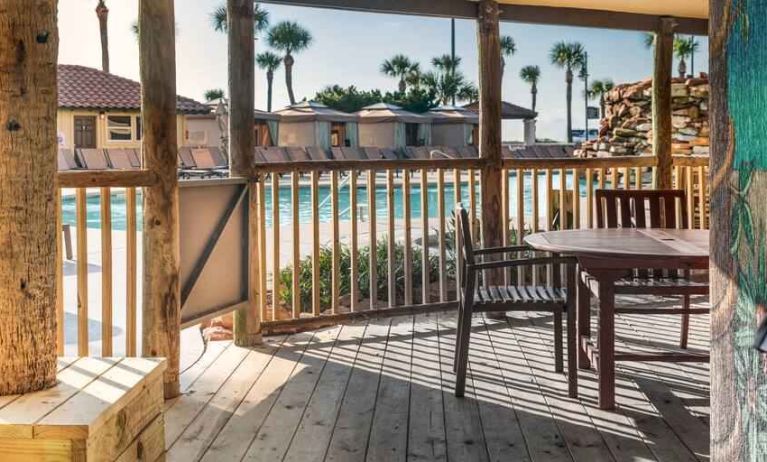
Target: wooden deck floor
[[382, 391]]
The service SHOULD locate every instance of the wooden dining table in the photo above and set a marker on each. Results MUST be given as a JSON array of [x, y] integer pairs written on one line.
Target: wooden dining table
[[608, 255]]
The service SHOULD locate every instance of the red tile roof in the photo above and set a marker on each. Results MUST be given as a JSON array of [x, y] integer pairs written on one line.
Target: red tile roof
[[83, 87]]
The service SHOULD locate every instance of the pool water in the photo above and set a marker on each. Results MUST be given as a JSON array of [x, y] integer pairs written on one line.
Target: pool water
[[325, 208]]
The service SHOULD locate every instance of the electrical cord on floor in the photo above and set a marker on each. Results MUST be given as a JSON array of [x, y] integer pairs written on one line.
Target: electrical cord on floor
[[204, 349]]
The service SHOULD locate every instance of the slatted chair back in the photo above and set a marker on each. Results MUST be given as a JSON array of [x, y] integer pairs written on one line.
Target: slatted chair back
[[466, 248], [120, 159], [93, 159], [66, 159], [389, 153], [218, 157], [318, 153], [203, 158], [185, 157], [274, 154], [641, 209]]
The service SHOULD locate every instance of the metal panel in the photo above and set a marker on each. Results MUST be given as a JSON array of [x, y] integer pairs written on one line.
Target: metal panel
[[214, 241]]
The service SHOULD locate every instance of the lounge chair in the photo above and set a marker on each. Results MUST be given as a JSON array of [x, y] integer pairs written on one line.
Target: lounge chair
[[318, 153], [206, 162], [92, 159], [66, 159], [297, 154], [122, 159]]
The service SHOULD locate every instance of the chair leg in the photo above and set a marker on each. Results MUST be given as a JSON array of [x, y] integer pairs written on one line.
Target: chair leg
[[572, 367], [584, 322], [558, 360], [685, 323], [458, 331], [462, 351]]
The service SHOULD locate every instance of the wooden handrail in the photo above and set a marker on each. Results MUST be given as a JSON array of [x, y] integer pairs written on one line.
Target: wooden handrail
[[106, 178]]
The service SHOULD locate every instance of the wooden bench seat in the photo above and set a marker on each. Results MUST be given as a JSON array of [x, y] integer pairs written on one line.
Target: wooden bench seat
[[534, 297]]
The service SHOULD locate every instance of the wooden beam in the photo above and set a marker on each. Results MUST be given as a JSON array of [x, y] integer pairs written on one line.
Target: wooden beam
[[529, 14], [28, 50], [106, 178], [490, 126], [247, 319], [661, 101], [161, 297]]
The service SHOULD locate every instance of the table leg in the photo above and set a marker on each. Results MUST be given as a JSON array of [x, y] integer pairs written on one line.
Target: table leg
[[606, 345], [584, 320], [572, 337]]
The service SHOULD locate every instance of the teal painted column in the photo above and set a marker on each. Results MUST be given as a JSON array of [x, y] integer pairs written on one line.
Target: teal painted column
[[738, 115]]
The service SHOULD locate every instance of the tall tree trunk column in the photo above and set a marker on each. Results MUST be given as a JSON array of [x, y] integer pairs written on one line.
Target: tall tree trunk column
[[490, 126], [247, 321], [161, 298], [738, 179], [661, 101], [28, 55]]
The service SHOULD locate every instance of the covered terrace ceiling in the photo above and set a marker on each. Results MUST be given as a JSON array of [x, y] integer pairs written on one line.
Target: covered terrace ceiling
[[641, 15]]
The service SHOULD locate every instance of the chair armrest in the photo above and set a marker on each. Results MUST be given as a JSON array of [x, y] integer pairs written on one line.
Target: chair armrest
[[523, 262], [507, 249]]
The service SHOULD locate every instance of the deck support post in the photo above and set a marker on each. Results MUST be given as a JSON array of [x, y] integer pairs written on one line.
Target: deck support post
[[161, 297], [28, 51], [490, 126], [247, 321], [661, 101]]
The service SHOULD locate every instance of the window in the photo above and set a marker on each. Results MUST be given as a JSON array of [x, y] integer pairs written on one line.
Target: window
[[138, 128], [118, 128], [411, 135]]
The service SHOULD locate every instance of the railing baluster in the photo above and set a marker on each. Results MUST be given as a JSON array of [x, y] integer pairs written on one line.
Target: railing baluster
[[626, 178], [355, 269], [702, 196], [106, 272], [441, 237], [563, 199], [316, 309], [458, 255], [335, 279], [373, 271], [576, 199], [275, 245], [589, 198], [614, 178], [520, 209], [261, 188], [690, 197], [59, 276], [549, 199], [473, 205], [81, 203], [296, 228], [391, 264], [637, 178], [408, 251], [131, 334], [425, 266], [534, 191], [602, 175], [505, 219]]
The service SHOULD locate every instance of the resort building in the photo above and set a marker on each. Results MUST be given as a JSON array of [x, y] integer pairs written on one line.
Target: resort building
[[309, 123], [208, 129], [511, 111], [454, 126], [387, 125], [100, 110]]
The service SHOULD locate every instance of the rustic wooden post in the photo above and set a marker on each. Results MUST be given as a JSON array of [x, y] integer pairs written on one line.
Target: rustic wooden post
[[161, 298], [738, 236], [247, 321], [28, 53], [490, 126], [661, 101]]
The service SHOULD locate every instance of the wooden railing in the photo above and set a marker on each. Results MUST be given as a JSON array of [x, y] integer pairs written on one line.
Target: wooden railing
[[342, 252]]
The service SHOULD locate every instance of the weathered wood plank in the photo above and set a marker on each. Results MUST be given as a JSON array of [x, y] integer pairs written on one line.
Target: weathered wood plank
[[661, 101]]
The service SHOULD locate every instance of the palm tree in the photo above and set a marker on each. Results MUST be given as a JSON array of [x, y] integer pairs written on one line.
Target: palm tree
[[568, 56], [269, 62], [260, 19], [684, 48], [289, 37], [531, 75], [446, 63], [468, 93], [599, 89], [102, 12], [649, 39], [401, 67], [508, 48], [213, 94], [414, 78]]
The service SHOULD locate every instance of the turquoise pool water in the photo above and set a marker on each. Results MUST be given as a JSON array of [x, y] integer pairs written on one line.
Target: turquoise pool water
[[325, 209]]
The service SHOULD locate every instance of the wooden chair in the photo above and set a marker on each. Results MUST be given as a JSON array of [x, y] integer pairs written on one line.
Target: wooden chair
[[647, 209], [479, 298]]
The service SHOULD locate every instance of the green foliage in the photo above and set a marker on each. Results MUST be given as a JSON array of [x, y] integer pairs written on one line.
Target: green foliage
[[214, 94], [567, 55], [348, 99], [260, 18], [414, 100], [289, 36], [382, 272]]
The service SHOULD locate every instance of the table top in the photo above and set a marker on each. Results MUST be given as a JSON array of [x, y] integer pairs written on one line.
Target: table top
[[651, 243]]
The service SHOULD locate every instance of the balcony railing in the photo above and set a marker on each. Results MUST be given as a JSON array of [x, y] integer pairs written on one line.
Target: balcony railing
[[339, 239]]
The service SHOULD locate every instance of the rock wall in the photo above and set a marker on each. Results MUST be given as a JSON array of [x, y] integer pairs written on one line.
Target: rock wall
[[626, 128]]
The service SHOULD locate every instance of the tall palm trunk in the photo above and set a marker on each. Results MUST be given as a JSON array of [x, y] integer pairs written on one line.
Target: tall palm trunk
[[602, 103], [534, 93], [289, 77], [269, 81], [102, 12], [569, 95], [27, 196], [682, 68], [402, 84]]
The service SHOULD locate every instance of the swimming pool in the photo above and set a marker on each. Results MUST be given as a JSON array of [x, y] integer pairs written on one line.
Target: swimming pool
[[325, 209]]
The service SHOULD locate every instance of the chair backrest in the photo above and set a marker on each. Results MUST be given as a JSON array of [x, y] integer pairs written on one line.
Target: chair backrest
[[185, 157], [93, 159], [203, 158], [318, 153], [463, 228], [121, 159], [274, 154], [218, 157], [66, 159], [641, 209], [297, 154]]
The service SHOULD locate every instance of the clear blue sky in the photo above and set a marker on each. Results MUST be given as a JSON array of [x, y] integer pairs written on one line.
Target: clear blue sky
[[348, 48]]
